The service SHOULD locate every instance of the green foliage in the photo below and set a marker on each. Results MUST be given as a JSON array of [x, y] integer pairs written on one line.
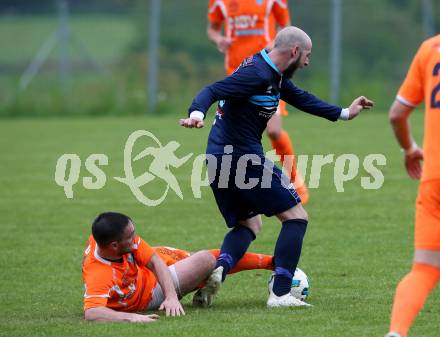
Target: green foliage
[[379, 39]]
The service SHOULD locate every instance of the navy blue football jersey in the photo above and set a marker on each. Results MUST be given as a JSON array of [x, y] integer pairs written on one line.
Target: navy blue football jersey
[[247, 99]]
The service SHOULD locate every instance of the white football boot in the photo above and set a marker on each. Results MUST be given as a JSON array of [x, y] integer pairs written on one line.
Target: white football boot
[[285, 301], [204, 296], [393, 334]]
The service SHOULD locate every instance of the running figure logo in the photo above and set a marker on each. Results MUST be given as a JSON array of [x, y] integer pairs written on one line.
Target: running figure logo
[[163, 158]]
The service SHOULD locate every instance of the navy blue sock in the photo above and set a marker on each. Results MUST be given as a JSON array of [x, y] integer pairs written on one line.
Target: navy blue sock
[[287, 253], [235, 245]]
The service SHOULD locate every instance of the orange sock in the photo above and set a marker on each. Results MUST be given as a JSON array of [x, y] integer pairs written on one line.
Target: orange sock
[[283, 147], [411, 294], [249, 261]]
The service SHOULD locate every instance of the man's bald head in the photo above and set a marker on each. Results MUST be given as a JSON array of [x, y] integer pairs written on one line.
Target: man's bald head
[[291, 51], [290, 37]]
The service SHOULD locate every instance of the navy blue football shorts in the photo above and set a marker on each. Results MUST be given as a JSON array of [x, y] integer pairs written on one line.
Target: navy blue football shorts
[[248, 185]]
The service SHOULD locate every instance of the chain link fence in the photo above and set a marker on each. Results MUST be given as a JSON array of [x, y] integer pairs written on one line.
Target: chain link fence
[[91, 57]]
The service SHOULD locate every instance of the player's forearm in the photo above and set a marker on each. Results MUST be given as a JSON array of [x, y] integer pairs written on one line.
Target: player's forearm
[[402, 131], [212, 93], [163, 276], [398, 117], [107, 314], [166, 283], [202, 102], [214, 34], [309, 103], [243, 83], [321, 109]]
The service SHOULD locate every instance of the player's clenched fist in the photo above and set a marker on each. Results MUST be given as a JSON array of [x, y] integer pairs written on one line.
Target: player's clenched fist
[[192, 123]]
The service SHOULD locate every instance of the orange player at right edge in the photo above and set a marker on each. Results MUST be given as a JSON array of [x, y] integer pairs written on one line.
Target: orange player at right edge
[[422, 84], [249, 26]]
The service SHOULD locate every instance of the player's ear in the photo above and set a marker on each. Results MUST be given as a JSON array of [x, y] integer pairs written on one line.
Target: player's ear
[[114, 244], [295, 52]]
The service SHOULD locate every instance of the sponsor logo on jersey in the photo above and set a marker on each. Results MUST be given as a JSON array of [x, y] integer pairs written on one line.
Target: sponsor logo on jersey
[[243, 22]]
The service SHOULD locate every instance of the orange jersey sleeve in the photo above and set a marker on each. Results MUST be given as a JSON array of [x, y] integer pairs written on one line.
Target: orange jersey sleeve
[[97, 280], [215, 12], [97, 284], [422, 83], [142, 251], [411, 90], [281, 12]]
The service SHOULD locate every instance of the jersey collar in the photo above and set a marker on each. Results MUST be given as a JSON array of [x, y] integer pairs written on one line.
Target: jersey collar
[[99, 258], [269, 61]]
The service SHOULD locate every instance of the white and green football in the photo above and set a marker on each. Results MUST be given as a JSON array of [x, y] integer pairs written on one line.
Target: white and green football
[[300, 285]]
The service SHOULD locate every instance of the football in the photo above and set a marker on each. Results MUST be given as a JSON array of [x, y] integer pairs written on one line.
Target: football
[[300, 285]]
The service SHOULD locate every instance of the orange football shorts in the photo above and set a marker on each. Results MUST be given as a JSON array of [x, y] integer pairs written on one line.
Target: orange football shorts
[[427, 227]]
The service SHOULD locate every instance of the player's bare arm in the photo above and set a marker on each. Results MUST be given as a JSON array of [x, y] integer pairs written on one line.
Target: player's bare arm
[[214, 31], [108, 315], [398, 116], [171, 304]]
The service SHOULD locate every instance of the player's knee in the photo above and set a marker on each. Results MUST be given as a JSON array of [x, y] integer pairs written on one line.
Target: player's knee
[[296, 212], [256, 229], [305, 215], [300, 213], [429, 257], [273, 132], [207, 259], [253, 226]]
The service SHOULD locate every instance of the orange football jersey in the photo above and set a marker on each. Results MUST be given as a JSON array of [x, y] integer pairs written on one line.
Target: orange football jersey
[[251, 24], [422, 84], [125, 286]]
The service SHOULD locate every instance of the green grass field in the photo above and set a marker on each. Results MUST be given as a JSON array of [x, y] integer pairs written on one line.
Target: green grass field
[[107, 39], [105, 36], [358, 245]]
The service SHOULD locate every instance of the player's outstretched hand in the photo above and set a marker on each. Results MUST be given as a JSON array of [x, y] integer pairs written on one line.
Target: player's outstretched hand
[[172, 307], [358, 105], [136, 318], [191, 123], [413, 163]]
